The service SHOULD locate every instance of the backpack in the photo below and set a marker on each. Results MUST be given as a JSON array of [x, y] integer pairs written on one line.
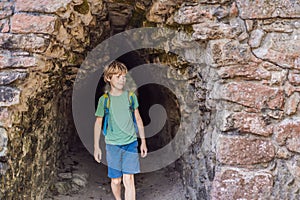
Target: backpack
[[106, 111]]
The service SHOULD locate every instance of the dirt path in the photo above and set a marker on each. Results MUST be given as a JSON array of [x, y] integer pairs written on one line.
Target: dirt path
[[164, 184]]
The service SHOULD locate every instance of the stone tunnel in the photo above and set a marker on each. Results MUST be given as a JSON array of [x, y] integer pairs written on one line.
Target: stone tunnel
[[243, 79]]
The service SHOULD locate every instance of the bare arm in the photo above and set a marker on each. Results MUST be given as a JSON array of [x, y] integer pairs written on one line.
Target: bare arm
[[140, 125], [97, 136]]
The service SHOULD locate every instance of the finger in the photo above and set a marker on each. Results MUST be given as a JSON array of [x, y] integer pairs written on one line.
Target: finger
[[97, 158], [100, 155], [144, 153]]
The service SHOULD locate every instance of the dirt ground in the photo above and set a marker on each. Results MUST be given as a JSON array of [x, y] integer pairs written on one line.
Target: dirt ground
[[164, 184]]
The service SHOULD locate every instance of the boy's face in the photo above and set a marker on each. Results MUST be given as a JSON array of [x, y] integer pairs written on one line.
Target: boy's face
[[118, 81]]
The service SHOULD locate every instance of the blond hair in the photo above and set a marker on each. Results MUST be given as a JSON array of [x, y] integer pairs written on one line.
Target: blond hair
[[115, 67]]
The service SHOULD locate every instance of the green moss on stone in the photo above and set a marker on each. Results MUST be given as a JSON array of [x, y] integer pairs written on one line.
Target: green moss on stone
[[82, 8]]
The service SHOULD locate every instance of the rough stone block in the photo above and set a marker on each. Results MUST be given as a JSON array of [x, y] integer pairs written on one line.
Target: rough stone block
[[256, 37], [16, 59], [250, 94], [241, 184], [199, 13], [4, 26], [3, 142], [281, 48], [244, 151], [40, 5], [8, 77], [30, 42], [246, 123], [3, 168], [267, 9], [286, 182], [278, 25], [28, 23], [4, 117], [228, 52], [9, 96], [194, 14], [217, 30], [250, 71], [288, 133], [6, 9], [294, 78], [292, 104]]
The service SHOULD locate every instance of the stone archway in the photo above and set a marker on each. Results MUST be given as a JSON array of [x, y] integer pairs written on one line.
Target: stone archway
[[246, 86]]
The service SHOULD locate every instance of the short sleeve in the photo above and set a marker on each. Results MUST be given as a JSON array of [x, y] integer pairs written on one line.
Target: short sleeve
[[100, 107], [136, 103]]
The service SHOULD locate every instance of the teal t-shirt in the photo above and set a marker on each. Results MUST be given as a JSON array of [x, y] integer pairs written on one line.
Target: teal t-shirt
[[120, 129]]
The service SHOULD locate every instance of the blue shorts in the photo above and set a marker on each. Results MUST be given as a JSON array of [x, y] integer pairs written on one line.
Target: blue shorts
[[122, 159]]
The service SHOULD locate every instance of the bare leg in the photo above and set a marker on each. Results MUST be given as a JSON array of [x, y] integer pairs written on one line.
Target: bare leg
[[128, 180], [116, 187]]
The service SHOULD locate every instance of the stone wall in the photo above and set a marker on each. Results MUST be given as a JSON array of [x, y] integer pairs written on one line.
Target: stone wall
[[245, 76], [42, 44], [249, 82]]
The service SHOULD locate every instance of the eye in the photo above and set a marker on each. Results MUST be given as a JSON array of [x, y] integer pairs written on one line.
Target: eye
[[122, 76]]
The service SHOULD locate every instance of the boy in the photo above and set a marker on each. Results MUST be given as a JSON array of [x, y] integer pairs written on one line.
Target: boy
[[121, 140]]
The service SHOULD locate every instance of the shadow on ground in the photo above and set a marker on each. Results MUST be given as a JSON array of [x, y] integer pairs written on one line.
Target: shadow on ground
[[83, 178]]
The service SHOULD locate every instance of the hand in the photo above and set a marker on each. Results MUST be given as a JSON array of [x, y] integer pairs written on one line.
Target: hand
[[144, 150], [97, 154]]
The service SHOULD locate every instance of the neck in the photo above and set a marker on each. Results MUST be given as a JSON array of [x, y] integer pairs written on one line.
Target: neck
[[115, 92]]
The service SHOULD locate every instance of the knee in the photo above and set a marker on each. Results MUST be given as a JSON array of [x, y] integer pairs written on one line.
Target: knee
[[116, 181], [128, 179]]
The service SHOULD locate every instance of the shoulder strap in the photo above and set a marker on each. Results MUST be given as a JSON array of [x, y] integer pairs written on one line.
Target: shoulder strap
[[106, 112], [106, 101], [131, 100], [131, 106]]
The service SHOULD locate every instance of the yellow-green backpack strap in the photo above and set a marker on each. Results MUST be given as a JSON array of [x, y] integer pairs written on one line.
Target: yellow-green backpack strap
[[106, 113], [131, 105]]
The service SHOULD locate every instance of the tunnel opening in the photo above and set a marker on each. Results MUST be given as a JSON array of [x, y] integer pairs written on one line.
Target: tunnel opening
[[149, 95]]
